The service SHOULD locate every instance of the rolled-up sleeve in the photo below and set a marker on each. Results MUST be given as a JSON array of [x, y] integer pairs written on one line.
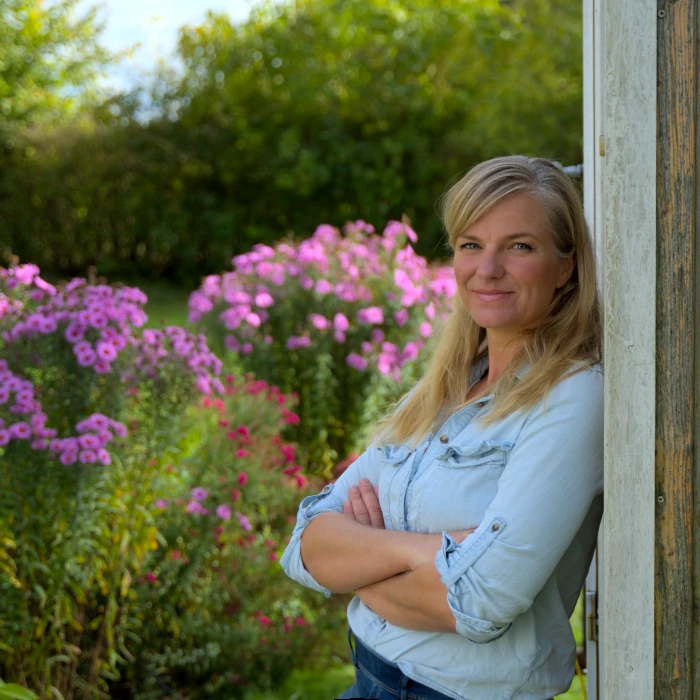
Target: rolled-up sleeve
[[553, 474], [329, 500]]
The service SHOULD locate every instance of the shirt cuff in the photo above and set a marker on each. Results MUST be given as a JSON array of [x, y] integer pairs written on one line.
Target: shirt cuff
[[291, 560], [452, 562]]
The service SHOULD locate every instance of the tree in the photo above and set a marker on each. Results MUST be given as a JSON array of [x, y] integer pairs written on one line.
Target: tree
[[49, 61]]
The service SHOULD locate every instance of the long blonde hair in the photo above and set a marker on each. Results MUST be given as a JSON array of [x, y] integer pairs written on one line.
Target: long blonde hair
[[569, 338]]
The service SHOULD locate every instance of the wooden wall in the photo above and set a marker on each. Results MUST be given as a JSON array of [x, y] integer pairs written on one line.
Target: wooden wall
[[629, 127]]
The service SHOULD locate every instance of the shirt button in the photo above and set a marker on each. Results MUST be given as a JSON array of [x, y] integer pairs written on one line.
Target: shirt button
[[444, 439], [495, 527]]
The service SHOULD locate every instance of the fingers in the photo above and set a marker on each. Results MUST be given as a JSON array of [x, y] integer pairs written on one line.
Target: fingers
[[347, 509], [363, 505], [370, 497], [359, 508]]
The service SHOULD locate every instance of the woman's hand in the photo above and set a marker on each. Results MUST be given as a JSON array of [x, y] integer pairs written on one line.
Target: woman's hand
[[363, 505]]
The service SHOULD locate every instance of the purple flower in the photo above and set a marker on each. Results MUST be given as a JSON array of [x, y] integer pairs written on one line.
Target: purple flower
[[245, 523], [224, 512], [264, 300], [4, 437], [401, 317], [87, 358], [106, 351], [340, 322], [356, 361], [199, 494], [68, 457], [87, 456], [20, 431], [372, 314], [425, 329], [103, 456], [195, 507], [162, 503]]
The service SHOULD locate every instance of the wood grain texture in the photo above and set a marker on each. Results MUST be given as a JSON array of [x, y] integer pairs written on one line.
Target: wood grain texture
[[630, 347], [675, 338]]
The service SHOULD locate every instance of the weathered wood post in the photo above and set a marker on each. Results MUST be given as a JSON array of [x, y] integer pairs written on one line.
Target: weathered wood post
[[646, 146]]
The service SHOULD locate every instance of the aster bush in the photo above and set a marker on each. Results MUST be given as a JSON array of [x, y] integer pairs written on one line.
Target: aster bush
[[89, 407], [223, 616], [334, 319]]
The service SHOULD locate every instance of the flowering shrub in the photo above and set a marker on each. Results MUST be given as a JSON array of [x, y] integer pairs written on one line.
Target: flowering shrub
[[89, 404], [332, 320], [223, 615]]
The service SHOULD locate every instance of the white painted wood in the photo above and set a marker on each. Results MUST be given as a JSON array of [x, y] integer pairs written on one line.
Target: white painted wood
[[594, 204], [630, 274]]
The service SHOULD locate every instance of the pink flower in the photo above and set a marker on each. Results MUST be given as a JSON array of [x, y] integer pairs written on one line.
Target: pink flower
[[340, 322], [242, 479], [401, 317], [372, 314], [151, 577], [425, 329], [196, 507], [242, 453], [199, 494], [20, 431], [162, 503], [264, 300], [224, 512], [245, 523], [235, 495], [319, 321], [356, 361]]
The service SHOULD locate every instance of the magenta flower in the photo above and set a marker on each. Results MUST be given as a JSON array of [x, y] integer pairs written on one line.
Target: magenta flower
[[20, 431], [425, 329], [199, 494], [245, 523], [224, 512], [372, 314], [87, 456], [356, 361], [340, 322], [162, 503]]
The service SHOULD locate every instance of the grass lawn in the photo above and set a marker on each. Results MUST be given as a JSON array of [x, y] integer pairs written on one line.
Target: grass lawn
[[167, 305]]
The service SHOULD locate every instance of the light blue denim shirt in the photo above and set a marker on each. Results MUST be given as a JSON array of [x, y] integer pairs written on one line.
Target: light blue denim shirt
[[533, 484]]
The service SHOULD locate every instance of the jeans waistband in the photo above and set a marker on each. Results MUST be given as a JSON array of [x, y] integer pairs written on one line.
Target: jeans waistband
[[389, 674]]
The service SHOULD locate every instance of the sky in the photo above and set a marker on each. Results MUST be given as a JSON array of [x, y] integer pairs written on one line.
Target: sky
[[154, 25]]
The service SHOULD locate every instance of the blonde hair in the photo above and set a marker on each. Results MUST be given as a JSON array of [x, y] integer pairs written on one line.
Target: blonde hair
[[570, 337]]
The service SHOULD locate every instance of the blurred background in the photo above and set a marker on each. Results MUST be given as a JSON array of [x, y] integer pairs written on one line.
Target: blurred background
[[157, 139], [148, 142]]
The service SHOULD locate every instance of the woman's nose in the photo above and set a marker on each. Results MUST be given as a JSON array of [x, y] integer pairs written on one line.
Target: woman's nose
[[490, 266]]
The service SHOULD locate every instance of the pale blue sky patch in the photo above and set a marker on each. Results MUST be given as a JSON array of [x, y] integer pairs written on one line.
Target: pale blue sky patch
[[154, 25]]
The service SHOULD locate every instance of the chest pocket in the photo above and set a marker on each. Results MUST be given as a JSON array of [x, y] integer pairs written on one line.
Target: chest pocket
[[492, 453], [462, 482]]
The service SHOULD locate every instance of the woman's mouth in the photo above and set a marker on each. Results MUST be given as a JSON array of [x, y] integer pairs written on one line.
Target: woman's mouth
[[491, 296]]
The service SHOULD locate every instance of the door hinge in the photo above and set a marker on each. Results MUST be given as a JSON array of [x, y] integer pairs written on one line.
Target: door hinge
[[592, 615]]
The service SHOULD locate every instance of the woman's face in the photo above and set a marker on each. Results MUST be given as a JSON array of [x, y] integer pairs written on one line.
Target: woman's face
[[507, 269]]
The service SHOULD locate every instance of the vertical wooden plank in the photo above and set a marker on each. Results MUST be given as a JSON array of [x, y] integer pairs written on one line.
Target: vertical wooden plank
[[696, 407], [593, 164], [630, 331], [675, 268]]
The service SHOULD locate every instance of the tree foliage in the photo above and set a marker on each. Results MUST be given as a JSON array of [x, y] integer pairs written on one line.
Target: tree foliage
[[313, 111], [49, 61]]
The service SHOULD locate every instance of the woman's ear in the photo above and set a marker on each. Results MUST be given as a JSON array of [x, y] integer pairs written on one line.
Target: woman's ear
[[568, 267]]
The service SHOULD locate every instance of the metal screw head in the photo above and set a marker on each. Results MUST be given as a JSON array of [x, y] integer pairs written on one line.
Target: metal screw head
[[661, 14]]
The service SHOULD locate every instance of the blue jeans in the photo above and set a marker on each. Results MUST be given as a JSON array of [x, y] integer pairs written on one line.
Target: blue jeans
[[377, 679]]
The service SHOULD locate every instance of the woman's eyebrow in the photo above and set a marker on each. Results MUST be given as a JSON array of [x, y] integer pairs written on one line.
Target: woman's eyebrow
[[510, 236]]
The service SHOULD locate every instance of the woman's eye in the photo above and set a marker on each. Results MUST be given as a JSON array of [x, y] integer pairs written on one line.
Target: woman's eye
[[527, 247], [464, 245]]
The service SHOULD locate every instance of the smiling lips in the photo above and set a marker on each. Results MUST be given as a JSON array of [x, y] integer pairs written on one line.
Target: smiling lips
[[485, 295]]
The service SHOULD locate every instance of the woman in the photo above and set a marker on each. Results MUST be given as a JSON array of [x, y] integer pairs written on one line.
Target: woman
[[466, 529]]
